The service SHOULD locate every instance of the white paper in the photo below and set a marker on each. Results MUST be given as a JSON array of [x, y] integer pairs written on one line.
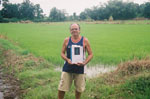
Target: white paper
[[76, 54]]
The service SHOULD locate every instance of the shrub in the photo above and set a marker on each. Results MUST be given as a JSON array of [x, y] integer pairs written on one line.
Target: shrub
[[110, 18]]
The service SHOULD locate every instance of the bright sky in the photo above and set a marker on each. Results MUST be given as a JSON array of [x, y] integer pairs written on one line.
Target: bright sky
[[70, 6]]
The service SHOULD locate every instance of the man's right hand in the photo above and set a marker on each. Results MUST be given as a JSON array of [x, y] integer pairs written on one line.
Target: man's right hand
[[69, 61]]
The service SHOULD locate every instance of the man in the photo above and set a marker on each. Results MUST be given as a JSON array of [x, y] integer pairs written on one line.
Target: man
[[74, 71]]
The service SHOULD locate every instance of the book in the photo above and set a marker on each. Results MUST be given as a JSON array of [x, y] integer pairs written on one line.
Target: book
[[77, 54]]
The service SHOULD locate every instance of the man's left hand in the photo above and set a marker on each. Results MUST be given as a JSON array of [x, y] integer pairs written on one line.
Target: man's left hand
[[80, 63]]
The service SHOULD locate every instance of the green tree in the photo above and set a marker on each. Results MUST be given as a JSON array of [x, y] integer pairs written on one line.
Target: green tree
[[88, 12], [83, 16], [10, 10], [4, 2], [38, 12], [1, 17], [118, 9], [27, 10], [122, 10], [53, 14], [75, 17], [147, 10], [56, 15]]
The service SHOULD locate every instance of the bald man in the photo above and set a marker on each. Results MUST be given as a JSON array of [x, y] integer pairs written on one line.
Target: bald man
[[74, 71]]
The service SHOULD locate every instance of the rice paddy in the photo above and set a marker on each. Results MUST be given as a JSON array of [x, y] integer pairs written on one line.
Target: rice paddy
[[110, 43]]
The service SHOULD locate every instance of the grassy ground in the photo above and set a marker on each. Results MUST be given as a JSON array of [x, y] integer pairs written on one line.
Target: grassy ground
[[39, 80], [111, 43], [38, 77]]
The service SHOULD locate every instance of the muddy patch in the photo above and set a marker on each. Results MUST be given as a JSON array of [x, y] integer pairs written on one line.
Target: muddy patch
[[1, 95], [9, 86], [93, 71]]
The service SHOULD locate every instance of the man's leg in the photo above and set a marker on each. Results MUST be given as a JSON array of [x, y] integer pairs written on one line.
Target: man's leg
[[79, 81], [65, 84], [61, 94], [78, 95]]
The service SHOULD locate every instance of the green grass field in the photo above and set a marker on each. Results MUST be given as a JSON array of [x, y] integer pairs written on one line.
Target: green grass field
[[41, 81], [111, 43]]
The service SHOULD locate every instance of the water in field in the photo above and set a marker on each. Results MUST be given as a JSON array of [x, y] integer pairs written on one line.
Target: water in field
[[93, 71]]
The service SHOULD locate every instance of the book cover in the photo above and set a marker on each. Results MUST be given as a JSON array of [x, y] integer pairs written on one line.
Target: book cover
[[76, 54]]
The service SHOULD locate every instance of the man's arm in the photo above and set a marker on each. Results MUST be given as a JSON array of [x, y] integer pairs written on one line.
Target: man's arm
[[89, 50], [90, 54], [64, 50]]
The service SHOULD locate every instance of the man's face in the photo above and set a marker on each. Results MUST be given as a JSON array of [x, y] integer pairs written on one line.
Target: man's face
[[74, 30]]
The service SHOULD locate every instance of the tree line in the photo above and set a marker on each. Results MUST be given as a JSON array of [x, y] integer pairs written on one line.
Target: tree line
[[24, 11], [118, 10], [114, 9]]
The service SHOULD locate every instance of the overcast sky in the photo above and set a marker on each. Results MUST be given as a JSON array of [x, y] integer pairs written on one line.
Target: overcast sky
[[70, 6]]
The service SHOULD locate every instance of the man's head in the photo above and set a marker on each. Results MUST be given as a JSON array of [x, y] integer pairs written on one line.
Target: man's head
[[75, 29]]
